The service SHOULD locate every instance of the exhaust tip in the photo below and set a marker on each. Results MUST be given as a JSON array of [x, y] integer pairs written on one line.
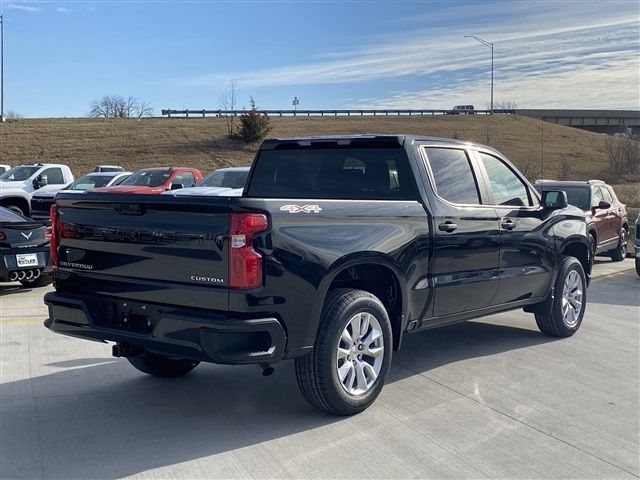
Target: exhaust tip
[[13, 276], [266, 369], [21, 275], [36, 273], [29, 275]]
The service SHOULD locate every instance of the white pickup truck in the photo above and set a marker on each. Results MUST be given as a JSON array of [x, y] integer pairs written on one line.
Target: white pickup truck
[[18, 184]]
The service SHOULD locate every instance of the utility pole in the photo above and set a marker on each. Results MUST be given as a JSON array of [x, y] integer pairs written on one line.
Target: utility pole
[[1, 68], [490, 45]]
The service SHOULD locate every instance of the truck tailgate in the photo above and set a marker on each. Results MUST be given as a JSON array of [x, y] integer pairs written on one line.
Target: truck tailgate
[[157, 248]]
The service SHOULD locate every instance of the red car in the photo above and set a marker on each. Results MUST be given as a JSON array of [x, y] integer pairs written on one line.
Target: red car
[[156, 180], [606, 216]]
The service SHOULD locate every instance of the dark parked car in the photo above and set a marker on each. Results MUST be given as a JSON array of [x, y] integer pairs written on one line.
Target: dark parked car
[[338, 247], [607, 223], [24, 250]]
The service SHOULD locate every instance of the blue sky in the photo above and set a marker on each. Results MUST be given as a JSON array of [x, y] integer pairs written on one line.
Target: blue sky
[[59, 55]]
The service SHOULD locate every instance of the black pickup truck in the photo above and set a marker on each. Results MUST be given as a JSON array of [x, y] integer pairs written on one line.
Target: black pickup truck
[[337, 248]]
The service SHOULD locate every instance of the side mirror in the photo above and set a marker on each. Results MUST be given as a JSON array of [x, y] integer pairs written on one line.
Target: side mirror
[[554, 200], [43, 181], [176, 186], [603, 205]]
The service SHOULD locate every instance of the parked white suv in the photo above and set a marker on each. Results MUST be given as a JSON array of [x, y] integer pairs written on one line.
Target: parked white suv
[[18, 184]]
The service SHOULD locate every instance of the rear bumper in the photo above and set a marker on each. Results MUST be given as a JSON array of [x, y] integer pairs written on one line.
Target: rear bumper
[[9, 262], [42, 217], [180, 333]]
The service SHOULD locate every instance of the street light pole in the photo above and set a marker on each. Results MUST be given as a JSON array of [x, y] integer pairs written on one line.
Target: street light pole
[[490, 45], [1, 68]]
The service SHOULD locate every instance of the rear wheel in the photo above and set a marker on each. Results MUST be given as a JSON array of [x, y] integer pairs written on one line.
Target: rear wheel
[[620, 251], [159, 366], [561, 314], [350, 362]]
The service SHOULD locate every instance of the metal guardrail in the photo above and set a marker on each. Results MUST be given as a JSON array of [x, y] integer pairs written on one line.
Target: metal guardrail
[[320, 113]]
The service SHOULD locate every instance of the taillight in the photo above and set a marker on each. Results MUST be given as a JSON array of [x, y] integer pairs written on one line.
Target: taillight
[[54, 234], [245, 264]]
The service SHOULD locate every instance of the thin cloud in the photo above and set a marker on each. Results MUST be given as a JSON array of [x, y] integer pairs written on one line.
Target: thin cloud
[[22, 7], [63, 10]]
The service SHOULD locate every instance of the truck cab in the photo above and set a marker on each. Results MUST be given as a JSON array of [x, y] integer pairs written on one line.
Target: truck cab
[[18, 184]]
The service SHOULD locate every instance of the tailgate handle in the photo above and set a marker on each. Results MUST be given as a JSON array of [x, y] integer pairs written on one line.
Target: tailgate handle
[[130, 209]]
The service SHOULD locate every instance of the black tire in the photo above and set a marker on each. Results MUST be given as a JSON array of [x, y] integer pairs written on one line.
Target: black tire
[[16, 209], [159, 366], [549, 316], [620, 252], [594, 246], [41, 281], [317, 372], [638, 264]]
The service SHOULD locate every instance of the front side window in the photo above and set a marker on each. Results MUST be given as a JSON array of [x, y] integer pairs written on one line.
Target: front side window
[[606, 195], [54, 176], [507, 188], [185, 178], [452, 175], [596, 197]]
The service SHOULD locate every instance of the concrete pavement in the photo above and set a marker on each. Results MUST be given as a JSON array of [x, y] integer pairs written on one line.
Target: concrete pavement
[[490, 398]]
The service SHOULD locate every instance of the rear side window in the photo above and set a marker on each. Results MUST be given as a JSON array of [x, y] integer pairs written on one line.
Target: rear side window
[[507, 188], [353, 173], [452, 175]]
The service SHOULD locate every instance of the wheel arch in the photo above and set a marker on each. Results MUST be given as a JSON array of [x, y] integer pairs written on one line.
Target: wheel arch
[[19, 201], [375, 273], [579, 248]]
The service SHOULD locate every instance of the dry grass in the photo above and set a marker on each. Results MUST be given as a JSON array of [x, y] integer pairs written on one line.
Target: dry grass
[[83, 143]]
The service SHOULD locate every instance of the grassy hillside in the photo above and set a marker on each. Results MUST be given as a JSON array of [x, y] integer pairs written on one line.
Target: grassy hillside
[[83, 143]]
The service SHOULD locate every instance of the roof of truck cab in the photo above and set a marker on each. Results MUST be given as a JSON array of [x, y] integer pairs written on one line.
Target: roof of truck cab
[[369, 137]]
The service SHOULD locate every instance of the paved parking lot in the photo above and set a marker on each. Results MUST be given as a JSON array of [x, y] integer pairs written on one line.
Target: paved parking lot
[[490, 398]]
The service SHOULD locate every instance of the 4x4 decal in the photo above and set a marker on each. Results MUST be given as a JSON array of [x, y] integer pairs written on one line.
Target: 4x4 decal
[[301, 208]]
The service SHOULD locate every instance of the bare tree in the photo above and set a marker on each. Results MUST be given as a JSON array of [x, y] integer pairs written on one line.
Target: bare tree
[[12, 115], [504, 105], [116, 106], [228, 101], [623, 154]]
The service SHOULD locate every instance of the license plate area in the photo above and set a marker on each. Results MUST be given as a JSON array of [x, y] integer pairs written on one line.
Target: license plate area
[[26, 260], [132, 317]]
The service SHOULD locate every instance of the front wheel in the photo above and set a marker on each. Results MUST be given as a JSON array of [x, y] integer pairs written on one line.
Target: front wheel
[[561, 314], [350, 361], [620, 252], [159, 366]]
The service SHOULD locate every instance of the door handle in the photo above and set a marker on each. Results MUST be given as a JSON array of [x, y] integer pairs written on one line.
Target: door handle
[[448, 227], [508, 224]]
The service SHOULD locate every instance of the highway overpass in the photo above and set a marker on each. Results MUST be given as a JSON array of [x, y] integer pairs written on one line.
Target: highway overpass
[[601, 121]]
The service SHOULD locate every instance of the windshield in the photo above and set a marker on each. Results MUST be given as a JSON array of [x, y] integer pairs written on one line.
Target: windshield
[[18, 174], [148, 178], [90, 181], [228, 179]]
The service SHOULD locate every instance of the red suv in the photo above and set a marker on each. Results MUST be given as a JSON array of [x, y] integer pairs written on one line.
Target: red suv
[[606, 216], [156, 180]]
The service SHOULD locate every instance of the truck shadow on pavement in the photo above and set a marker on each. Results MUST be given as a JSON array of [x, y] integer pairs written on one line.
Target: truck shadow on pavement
[[100, 418]]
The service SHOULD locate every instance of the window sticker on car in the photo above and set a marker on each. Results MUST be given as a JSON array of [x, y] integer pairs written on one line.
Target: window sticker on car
[[301, 208]]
